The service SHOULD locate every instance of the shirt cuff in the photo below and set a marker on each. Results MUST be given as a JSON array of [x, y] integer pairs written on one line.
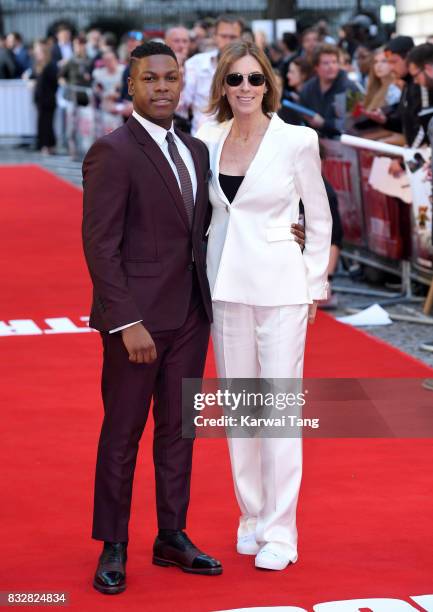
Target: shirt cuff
[[123, 327]]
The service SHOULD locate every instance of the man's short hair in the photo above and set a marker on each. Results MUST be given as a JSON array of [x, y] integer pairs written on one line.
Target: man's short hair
[[291, 41], [178, 26], [63, 27], [421, 55], [400, 45], [227, 18], [150, 48], [325, 49], [308, 31]]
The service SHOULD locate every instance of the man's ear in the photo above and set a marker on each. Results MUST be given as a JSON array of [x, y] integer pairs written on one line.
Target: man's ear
[[130, 86]]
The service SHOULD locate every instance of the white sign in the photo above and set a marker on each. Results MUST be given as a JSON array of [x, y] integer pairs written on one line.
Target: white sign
[[54, 325], [285, 25], [266, 26]]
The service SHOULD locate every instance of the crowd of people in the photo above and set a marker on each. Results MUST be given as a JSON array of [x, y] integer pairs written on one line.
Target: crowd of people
[[355, 81]]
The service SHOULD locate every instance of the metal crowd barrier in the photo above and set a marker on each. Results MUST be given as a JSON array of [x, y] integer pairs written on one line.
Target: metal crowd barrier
[[379, 231], [85, 123], [18, 116]]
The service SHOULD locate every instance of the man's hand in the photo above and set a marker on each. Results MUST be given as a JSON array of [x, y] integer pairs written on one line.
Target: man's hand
[[312, 309], [317, 121], [395, 168], [139, 344], [298, 231]]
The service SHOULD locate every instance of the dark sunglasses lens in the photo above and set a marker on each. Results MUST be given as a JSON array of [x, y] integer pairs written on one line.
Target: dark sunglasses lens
[[256, 79], [234, 79]]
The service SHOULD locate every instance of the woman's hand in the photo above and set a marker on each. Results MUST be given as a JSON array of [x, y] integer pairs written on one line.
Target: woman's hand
[[376, 115], [317, 121], [312, 309]]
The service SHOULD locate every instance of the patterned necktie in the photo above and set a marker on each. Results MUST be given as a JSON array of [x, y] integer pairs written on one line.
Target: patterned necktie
[[184, 177]]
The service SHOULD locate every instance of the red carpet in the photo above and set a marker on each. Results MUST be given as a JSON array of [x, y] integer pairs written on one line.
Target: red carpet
[[366, 507]]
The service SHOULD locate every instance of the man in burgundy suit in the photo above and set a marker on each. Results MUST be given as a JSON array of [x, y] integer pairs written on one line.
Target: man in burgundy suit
[[145, 211]]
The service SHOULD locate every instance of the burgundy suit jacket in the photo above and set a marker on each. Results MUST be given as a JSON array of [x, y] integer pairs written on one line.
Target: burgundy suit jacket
[[137, 241]]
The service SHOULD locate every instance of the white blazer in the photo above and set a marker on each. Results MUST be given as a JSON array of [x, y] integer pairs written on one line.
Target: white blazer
[[252, 257]]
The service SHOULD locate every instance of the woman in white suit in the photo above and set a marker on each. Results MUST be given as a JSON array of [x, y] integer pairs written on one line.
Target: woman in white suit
[[264, 288]]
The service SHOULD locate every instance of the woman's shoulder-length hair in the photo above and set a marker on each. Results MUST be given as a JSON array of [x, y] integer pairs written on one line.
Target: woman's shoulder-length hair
[[218, 104]]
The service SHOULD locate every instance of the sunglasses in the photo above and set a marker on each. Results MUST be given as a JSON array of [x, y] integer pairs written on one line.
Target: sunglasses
[[234, 79]]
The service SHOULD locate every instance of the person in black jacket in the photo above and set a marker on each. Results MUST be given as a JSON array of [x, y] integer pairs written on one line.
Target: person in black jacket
[[45, 72], [14, 42], [8, 65], [326, 92]]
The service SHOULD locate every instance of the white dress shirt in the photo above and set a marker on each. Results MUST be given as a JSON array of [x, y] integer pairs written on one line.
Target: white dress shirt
[[199, 72], [66, 50], [159, 135]]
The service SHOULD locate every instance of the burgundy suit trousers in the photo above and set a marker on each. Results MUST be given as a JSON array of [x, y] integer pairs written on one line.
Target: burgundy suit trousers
[[127, 390]]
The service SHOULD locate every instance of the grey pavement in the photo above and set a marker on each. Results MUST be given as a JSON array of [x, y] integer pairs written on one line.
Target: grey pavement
[[402, 335]]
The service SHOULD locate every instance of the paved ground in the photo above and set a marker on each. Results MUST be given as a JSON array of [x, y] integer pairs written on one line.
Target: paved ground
[[403, 335]]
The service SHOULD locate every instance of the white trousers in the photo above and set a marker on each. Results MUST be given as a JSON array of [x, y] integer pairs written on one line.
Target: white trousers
[[263, 342]]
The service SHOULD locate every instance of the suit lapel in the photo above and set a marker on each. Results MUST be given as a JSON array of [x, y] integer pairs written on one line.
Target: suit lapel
[[158, 159], [225, 130], [266, 153]]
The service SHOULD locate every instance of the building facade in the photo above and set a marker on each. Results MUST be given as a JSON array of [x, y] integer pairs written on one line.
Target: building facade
[[415, 18]]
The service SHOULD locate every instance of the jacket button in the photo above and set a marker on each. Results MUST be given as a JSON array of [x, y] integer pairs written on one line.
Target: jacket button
[[190, 266]]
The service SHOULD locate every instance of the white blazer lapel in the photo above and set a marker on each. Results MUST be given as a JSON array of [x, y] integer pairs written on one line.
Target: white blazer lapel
[[266, 153], [225, 130]]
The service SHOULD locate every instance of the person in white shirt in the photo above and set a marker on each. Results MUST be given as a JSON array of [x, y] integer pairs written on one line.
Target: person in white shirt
[[264, 289], [107, 80], [200, 69], [177, 38]]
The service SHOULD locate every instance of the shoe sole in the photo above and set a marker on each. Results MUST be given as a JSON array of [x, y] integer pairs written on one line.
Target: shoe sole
[[272, 569], [113, 590], [214, 571], [249, 552]]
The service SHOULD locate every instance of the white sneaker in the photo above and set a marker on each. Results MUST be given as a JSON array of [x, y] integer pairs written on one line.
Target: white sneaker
[[270, 558], [247, 545]]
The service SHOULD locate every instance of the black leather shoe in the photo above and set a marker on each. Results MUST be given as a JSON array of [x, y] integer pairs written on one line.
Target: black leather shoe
[[110, 577], [178, 550]]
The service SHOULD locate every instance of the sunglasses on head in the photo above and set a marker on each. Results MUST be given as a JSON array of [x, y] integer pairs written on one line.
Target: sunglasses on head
[[135, 35], [234, 79]]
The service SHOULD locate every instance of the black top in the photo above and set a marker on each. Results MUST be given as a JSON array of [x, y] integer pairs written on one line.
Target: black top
[[230, 185]]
